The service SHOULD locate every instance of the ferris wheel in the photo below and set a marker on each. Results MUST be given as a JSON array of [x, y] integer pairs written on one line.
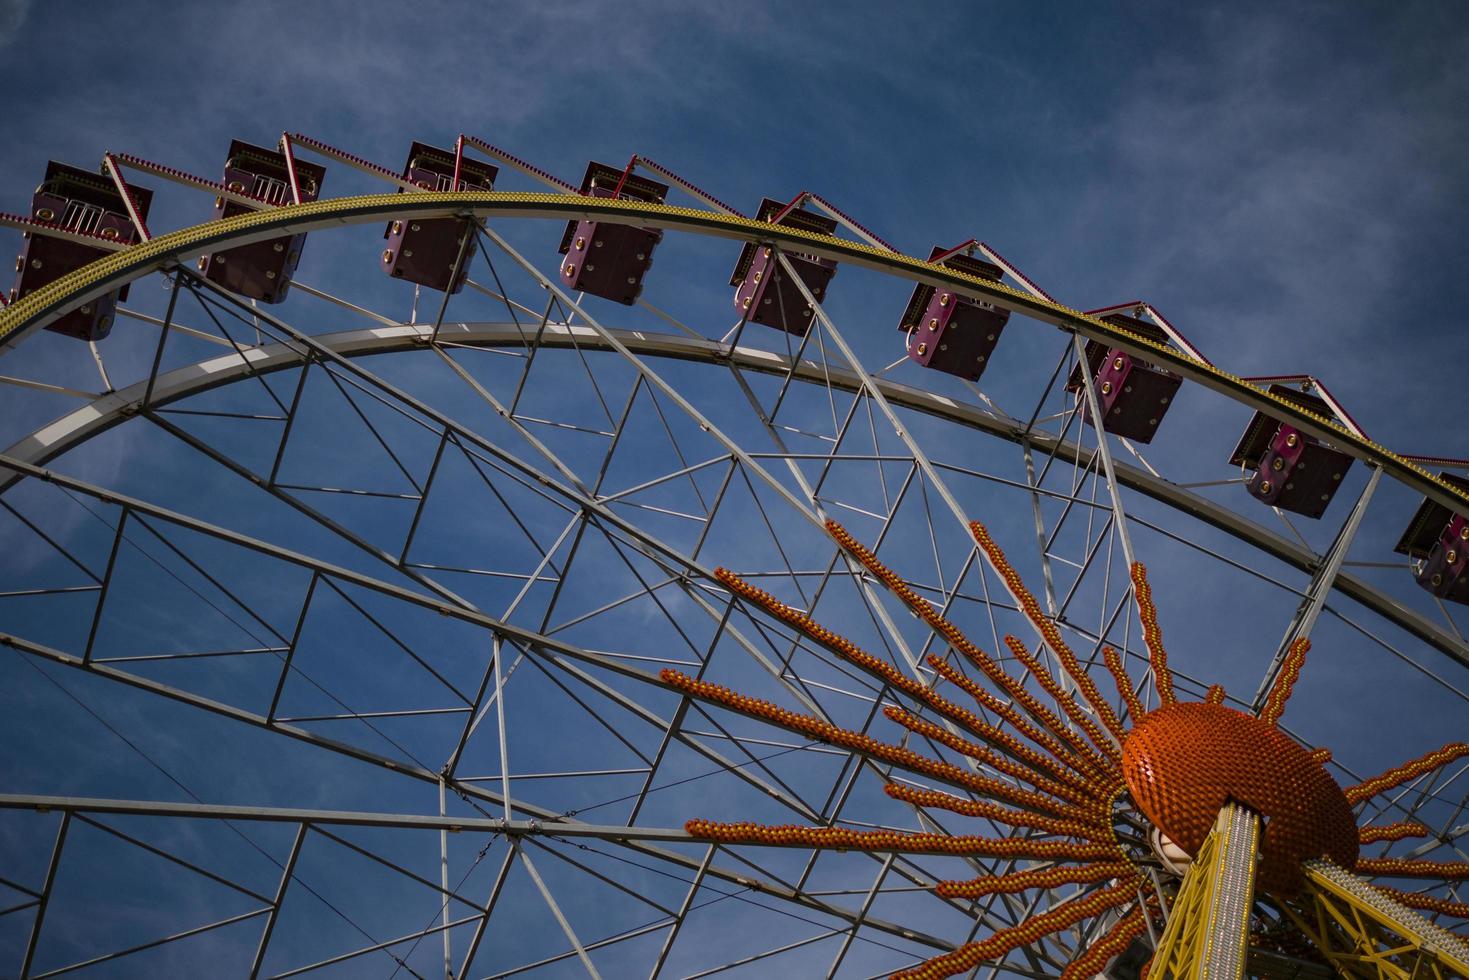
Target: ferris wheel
[[524, 606]]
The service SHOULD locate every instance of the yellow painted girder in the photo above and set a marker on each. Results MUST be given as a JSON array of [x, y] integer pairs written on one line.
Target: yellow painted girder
[[1366, 934], [1207, 937]]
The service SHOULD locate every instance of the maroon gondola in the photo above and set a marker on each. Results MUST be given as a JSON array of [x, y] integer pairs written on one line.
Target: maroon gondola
[[425, 250], [950, 332], [84, 203], [262, 270], [1133, 395], [609, 259], [763, 291], [1291, 470]]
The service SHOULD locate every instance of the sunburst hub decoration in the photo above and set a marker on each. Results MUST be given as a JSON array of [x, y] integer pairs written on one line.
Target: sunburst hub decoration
[[1058, 777], [1183, 762]]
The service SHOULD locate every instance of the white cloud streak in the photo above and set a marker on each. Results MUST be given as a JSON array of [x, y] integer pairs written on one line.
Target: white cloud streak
[[12, 18]]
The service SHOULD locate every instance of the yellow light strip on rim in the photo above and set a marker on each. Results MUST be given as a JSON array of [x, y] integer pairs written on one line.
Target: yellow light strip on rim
[[123, 266]]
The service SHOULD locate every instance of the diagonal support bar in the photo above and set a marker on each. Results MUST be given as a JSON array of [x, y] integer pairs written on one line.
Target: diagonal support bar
[[287, 873], [1322, 583]]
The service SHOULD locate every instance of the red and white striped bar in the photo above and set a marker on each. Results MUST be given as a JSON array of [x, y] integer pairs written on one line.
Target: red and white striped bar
[[1447, 462], [1175, 333], [833, 211], [1137, 307], [22, 223], [850, 223], [687, 186], [1342, 415], [342, 156], [290, 154], [189, 180], [114, 170], [967, 247], [1014, 273], [529, 169]]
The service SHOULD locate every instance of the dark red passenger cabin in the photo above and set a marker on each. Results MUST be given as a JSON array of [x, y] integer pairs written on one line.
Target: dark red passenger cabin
[[263, 270], [1133, 395], [424, 250], [763, 292], [85, 203], [604, 258], [952, 333], [1438, 541], [1291, 470]]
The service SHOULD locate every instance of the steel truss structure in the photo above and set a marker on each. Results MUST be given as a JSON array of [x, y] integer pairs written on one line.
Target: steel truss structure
[[1366, 934], [449, 555]]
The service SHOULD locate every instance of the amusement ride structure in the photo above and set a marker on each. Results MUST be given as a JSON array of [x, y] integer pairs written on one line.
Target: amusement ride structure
[[654, 637]]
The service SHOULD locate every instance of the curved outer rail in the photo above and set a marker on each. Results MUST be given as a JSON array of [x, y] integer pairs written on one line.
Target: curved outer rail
[[60, 435], [112, 271]]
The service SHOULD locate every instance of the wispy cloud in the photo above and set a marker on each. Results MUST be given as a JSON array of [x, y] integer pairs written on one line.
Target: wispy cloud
[[1277, 178], [12, 17], [1270, 175]]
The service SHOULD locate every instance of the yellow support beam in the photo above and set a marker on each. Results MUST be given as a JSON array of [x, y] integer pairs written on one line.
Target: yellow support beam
[[1365, 934], [1207, 937]]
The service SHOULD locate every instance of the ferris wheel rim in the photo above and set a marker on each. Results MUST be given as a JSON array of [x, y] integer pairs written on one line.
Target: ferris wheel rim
[[112, 408], [161, 252]]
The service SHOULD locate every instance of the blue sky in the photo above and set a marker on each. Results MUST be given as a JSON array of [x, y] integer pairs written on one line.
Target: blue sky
[[1207, 146], [1286, 182]]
